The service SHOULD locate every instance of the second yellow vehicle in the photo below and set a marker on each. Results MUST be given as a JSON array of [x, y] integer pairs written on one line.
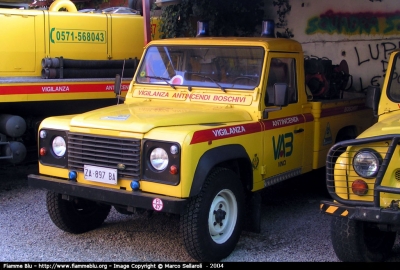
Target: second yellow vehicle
[[363, 178]]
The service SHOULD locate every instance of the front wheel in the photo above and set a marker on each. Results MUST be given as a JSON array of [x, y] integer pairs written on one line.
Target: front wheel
[[358, 241], [76, 216], [212, 222]]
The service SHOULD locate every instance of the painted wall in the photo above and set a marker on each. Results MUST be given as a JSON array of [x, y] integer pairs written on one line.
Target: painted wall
[[362, 32]]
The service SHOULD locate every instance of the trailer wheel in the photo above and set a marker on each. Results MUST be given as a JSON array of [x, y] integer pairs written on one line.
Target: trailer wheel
[[76, 216], [212, 222], [359, 241]]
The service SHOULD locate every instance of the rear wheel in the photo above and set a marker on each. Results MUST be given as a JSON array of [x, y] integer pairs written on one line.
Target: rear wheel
[[76, 216], [212, 222], [358, 241]]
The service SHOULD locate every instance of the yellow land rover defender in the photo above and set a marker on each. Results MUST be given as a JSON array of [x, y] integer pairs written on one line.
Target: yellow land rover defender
[[363, 178], [206, 123]]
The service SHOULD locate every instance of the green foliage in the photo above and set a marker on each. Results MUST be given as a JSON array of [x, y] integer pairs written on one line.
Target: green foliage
[[226, 18]]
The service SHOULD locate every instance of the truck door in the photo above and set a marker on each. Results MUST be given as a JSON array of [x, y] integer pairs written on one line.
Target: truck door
[[284, 127]]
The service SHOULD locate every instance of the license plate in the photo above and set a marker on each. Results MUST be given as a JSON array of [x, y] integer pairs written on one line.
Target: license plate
[[100, 174]]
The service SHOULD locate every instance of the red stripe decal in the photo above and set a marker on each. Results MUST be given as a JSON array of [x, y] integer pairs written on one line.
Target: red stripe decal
[[225, 132], [308, 117], [342, 110], [240, 130], [287, 121], [55, 88]]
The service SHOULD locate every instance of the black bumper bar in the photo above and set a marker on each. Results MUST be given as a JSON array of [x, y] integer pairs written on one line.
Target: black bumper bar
[[109, 196], [362, 213]]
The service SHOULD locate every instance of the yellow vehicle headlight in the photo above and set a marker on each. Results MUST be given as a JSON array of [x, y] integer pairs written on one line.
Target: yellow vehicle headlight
[[59, 146], [366, 163], [159, 159]]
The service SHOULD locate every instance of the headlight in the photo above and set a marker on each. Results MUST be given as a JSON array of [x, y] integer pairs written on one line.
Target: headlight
[[59, 146], [366, 163], [159, 159], [162, 161]]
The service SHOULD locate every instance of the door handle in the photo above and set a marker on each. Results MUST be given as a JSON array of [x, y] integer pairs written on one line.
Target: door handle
[[299, 130]]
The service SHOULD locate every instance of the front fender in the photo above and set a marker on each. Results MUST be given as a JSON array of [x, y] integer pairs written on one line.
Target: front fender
[[213, 157]]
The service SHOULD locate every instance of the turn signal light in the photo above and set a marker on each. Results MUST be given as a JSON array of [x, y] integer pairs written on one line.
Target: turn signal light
[[173, 169], [42, 151], [359, 187]]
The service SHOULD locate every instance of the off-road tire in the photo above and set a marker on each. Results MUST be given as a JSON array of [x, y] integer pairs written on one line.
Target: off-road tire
[[358, 241], [205, 237], [76, 216]]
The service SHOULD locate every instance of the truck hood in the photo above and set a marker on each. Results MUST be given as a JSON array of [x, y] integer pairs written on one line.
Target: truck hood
[[142, 117], [389, 125]]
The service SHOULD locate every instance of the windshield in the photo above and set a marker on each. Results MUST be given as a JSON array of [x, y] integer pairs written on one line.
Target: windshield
[[393, 91], [193, 66]]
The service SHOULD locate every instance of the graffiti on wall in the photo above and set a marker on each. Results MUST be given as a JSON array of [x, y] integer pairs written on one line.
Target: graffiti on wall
[[377, 55], [367, 23], [372, 57]]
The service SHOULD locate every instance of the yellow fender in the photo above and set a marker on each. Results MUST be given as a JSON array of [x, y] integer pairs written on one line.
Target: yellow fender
[[67, 4]]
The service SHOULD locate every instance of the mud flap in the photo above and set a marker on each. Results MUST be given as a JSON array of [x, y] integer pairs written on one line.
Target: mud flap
[[253, 213]]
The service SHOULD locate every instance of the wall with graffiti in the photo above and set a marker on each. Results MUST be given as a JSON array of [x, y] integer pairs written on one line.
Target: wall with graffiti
[[361, 32]]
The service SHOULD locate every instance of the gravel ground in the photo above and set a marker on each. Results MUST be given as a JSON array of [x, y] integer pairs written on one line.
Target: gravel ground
[[292, 229]]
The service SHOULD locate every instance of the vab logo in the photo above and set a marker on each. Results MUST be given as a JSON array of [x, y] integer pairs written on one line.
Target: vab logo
[[283, 147]]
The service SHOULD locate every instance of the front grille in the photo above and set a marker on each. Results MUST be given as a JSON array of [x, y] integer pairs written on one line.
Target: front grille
[[341, 191], [104, 152]]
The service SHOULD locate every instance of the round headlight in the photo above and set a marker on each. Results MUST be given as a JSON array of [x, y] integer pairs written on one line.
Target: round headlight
[[366, 163], [159, 159], [59, 146]]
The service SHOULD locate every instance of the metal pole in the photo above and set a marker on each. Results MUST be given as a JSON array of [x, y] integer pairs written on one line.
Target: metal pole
[[146, 21]]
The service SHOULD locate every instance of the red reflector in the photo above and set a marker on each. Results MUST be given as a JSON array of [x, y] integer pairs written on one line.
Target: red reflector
[[42, 151], [359, 187], [173, 169]]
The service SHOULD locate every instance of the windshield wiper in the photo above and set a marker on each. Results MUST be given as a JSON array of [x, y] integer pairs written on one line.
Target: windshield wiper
[[211, 79], [166, 80]]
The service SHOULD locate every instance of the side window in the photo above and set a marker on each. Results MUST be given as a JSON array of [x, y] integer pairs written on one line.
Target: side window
[[282, 70], [394, 85]]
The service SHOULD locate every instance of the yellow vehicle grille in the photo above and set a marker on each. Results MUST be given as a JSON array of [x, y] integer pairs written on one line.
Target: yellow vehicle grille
[[341, 175], [117, 153]]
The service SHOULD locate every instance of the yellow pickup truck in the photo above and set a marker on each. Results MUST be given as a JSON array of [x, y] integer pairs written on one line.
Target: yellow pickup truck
[[364, 180], [206, 124]]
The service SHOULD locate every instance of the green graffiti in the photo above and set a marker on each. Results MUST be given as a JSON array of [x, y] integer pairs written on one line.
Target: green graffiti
[[354, 23], [392, 24]]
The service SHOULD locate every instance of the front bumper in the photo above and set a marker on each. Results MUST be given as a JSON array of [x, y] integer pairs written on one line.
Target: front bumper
[[390, 216], [135, 199]]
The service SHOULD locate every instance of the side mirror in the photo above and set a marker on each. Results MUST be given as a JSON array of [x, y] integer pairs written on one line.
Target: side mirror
[[280, 98], [281, 94], [373, 97], [117, 88], [117, 85]]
